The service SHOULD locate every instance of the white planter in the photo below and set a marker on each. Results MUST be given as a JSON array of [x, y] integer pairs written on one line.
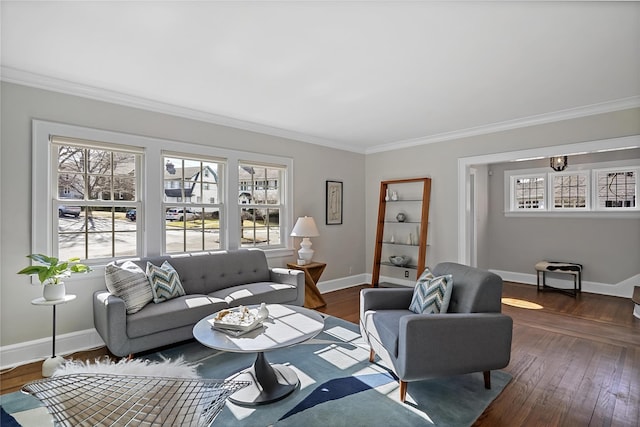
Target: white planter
[[54, 292]]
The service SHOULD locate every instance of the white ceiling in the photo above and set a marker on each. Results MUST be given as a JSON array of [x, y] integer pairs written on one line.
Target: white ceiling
[[365, 76]]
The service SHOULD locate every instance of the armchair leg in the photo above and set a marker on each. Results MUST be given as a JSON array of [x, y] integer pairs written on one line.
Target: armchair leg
[[372, 355], [403, 390], [487, 379]]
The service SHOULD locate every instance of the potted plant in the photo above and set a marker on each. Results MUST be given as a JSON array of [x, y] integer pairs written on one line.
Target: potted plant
[[51, 272]]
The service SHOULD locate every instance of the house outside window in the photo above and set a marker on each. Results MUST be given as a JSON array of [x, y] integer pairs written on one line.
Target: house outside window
[[96, 185], [190, 224], [104, 174], [261, 201]]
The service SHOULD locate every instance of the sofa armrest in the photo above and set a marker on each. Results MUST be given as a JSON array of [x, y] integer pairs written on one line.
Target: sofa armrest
[[385, 299], [290, 277], [452, 343], [110, 320]]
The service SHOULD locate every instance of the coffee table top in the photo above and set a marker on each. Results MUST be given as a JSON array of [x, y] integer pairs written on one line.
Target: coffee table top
[[287, 325]]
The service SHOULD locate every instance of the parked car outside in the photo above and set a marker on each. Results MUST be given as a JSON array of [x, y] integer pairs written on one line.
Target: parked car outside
[[64, 210], [178, 214], [131, 214]]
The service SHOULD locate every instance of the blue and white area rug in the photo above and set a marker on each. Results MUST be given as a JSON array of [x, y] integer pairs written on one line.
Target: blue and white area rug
[[338, 387]]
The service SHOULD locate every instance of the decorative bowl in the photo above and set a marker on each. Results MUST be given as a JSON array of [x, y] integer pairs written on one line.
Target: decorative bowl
[[399, 260]]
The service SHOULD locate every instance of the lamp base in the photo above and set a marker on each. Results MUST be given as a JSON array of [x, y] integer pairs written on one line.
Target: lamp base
[[301, 262], [305, 253]]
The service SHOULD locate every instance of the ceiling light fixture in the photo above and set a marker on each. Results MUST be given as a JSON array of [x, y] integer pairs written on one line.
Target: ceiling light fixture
[[558, 163]]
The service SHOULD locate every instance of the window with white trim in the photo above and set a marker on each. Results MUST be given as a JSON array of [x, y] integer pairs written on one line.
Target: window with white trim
[[96, 185], [617, 189], [528, 192], [191, 200], [261, 201], [108, 176], [569, 190], [591, 189]]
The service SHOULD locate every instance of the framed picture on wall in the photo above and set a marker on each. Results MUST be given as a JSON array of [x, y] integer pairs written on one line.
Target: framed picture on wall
[[334, 202]]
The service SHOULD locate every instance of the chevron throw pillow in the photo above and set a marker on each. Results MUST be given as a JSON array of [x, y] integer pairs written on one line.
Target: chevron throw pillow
[[431, 294], [165, 282]]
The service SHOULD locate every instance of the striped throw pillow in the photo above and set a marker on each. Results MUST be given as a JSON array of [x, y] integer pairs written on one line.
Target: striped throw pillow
[[431, 294], [128, 281], [165, 282]]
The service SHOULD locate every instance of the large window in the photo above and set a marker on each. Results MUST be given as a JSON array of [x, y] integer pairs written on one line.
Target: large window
[[260, 200], [101, 195], [191, 201], [96, 187]]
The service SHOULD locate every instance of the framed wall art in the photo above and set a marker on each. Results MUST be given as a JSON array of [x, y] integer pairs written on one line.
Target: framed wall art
[[334, 202]]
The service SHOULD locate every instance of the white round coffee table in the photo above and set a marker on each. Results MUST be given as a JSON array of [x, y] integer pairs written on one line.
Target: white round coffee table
[[287, 325]]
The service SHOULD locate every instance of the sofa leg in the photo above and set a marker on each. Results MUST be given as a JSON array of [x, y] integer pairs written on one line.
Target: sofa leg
[[372, 355], [487, 379], [129, 357], [403, 391]]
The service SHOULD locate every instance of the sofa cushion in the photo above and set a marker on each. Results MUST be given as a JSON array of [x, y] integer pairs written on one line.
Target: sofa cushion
[[384, 327], [177, 312], [165, 282], [256, 293], [130, 283], [431, 294]]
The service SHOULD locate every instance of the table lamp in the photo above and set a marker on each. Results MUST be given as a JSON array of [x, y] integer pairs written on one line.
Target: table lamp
[[305, 227]]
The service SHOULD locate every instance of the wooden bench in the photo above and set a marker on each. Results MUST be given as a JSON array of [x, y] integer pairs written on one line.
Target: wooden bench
[[558, 267], [636, 300]]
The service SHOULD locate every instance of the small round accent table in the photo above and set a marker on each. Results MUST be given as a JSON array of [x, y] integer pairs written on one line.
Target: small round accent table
[[286, 325], [52, 363]]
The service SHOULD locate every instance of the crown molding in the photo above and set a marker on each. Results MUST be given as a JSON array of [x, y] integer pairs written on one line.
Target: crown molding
[[26, 78], [556, 116], [39, 81]]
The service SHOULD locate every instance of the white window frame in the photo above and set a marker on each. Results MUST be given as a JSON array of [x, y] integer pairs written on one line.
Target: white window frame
[[150, 217], [512, 199], [596, 205], [551, 191], [510, 205]]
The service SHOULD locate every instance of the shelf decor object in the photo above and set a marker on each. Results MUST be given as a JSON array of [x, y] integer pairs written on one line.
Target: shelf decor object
[[404, 219], [305, 227]]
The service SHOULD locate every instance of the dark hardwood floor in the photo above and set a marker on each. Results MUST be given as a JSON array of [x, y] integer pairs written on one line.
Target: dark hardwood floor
[[574, 361]]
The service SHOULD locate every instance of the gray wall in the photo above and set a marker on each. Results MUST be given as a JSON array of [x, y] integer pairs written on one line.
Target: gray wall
[[607, 247], [440, 162], [340, 246]]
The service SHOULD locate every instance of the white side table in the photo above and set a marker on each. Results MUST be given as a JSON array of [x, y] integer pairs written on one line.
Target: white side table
[[52, 363]]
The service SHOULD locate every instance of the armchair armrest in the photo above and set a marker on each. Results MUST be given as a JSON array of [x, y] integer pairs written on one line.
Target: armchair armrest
[[453, 343], [290, 277], [110, 320], [385, 298]]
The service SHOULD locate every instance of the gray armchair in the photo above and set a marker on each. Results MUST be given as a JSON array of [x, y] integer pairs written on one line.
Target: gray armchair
[[472, 336]]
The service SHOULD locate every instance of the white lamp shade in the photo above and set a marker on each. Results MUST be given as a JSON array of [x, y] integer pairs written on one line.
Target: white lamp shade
[[305, 227]]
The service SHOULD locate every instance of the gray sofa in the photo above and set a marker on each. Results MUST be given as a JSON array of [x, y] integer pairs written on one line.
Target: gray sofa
[[212, 282], [472, 336]]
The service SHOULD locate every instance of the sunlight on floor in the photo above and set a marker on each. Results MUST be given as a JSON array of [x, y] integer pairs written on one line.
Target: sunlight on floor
[[520, 303]]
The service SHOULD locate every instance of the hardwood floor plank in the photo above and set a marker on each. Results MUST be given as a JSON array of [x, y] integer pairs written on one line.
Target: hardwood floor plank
[[574, 361]]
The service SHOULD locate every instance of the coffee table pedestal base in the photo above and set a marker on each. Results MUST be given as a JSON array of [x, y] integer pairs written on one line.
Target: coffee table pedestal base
[[269, 383]]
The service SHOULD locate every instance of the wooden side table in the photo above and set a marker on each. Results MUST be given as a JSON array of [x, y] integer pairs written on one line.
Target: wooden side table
[[312, 272]]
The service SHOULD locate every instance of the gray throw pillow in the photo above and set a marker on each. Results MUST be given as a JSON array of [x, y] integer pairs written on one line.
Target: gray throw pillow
[[129, 282]]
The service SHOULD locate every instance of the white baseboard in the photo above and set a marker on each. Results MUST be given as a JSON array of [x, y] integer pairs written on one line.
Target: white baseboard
[[33, 351], [623, 289], [342, 283]]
